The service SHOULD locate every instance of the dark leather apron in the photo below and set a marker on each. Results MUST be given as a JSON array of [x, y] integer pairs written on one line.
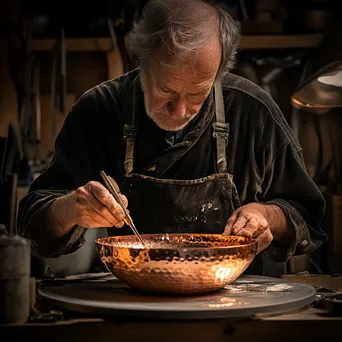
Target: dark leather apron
[[160, 205]]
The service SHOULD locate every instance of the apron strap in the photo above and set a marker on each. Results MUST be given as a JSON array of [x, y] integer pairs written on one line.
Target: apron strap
[[220, 129], [129, 130], [129, 134]]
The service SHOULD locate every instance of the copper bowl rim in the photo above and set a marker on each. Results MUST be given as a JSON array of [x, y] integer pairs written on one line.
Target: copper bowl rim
[[102, 242]]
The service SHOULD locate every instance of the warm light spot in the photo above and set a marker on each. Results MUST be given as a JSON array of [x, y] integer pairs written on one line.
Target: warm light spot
[[221, 273]]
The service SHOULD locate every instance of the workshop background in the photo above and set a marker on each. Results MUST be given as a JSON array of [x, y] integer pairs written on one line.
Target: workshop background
[[52, 52]]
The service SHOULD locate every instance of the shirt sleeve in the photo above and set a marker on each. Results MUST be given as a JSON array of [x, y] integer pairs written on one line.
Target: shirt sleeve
[[69, 169], [287, 185]]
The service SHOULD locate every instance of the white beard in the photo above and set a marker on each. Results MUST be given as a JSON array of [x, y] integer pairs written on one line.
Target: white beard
[[162, 118]]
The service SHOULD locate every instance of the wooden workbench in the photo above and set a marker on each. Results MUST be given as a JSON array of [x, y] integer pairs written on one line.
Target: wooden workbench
[[308, 325]]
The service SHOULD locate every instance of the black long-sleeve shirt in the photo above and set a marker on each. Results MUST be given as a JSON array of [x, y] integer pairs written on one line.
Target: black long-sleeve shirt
[[263, 155]]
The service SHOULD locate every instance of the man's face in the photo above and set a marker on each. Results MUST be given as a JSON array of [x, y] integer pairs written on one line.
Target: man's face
[[174, 95]]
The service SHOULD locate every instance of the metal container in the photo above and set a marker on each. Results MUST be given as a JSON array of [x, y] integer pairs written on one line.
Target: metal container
[[15, 261], [177, 264]]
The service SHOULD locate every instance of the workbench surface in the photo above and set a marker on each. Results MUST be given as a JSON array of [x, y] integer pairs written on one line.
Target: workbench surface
[[308, 324]]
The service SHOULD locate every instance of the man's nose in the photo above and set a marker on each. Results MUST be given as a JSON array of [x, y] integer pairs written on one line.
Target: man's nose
[[177, 107]]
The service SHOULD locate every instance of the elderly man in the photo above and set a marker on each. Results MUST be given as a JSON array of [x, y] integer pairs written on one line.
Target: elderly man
[[192, 147]]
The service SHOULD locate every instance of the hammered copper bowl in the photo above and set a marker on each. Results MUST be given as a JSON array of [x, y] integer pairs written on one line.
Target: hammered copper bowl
[[177, 264]]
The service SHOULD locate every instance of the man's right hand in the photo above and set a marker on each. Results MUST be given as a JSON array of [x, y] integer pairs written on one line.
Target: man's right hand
[[90, 206], [95, 207]]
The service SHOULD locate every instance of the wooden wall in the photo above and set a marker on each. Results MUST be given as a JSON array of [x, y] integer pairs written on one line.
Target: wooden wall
[[85, 69], [8, 97]]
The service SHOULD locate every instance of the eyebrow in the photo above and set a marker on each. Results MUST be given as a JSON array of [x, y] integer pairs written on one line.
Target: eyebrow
[[161, 85], [198, 93], [201, 92]]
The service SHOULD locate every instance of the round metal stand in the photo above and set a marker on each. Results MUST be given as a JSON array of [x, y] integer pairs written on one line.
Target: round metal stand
[[248, 296]]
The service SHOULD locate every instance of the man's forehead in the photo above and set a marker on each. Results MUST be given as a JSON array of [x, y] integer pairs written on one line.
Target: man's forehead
[[199, 69], [183, 72]]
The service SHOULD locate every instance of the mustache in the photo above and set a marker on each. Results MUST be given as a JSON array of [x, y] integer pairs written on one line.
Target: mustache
[[165, 112]]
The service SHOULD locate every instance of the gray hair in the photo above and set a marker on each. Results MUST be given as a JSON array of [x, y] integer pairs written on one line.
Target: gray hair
[[183, 27]]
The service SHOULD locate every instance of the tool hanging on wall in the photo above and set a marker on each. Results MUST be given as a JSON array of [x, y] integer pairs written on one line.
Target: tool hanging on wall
[[37, 113], [25, 115], [58, 82], [21, 57], [116, 30]]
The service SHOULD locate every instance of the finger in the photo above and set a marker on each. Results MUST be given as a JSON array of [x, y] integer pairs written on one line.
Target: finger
[[249, 230], [101, 213], [102, 210], [91, 199], [239, 224], [229, 224], [115, 184], [256, 226], [91, 219], [85, 200], [124, 200], [123, 197], [264, 240], [105, 197]]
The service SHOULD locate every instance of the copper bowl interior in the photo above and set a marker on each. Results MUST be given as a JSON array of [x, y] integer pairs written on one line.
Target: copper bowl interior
[[177, 264]]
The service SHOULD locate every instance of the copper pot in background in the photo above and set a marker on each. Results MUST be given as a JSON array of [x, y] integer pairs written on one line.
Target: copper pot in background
[[307, 21], [315, 20]]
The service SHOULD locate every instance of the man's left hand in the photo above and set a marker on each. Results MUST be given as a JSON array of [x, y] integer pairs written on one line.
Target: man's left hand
[[254, 220]]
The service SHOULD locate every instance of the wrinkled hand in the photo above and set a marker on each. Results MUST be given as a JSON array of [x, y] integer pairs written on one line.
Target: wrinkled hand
[[251, 221], [95, 207]]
